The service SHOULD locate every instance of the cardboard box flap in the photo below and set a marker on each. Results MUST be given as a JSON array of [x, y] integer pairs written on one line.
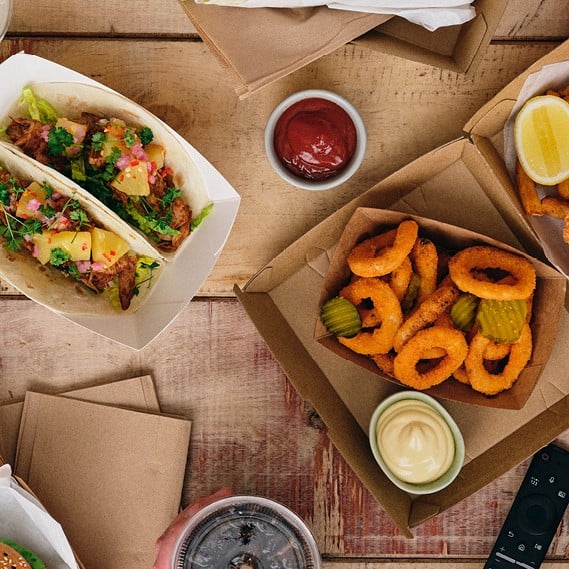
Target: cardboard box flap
[[490, 118], [458, 48], [308, 379], [283, 41]]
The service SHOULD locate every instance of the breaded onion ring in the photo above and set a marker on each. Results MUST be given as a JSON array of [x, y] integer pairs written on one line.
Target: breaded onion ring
[[494, 352], [453, 343], [387, 307], [369, 259], [491, 384], [425, 260], [384, 362], [465, 264], [426, 314], [400, 278]]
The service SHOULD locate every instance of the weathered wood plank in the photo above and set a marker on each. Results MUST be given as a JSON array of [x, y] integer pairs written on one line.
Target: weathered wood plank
[[408, 110], [251, 431], [522, 19]]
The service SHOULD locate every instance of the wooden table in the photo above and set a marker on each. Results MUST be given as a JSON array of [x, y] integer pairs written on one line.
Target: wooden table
[[251, 431]]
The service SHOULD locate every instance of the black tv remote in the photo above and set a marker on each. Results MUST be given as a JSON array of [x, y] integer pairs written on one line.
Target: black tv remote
[[535, 514]]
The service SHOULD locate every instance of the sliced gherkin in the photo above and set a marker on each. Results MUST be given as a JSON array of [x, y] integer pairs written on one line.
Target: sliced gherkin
[[502, 320], [341, 317], [410, 296], [463, 311]]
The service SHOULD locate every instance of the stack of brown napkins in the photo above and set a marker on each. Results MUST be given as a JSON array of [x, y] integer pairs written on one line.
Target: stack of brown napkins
[[261, 45], [104, 462]]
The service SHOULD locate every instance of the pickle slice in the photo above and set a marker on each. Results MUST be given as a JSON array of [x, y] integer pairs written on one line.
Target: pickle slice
[[463, 311], [412, 292], [502, 320], [341, 317]]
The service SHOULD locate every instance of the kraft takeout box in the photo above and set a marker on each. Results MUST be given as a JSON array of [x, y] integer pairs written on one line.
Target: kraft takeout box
[[546, 305], [491, 129], [180, 279], [453, 184], [260, 45]]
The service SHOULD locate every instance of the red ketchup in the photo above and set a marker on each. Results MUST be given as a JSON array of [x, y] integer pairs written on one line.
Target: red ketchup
[[315, 139]]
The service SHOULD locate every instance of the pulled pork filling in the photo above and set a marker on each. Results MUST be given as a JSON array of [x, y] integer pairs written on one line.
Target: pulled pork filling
[[28, 211], [98, 153]]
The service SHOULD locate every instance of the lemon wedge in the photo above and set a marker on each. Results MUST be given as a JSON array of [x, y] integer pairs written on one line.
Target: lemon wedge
[[541, 138]]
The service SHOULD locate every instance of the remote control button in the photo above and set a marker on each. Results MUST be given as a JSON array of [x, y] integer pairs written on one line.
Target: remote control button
[[536, 514]]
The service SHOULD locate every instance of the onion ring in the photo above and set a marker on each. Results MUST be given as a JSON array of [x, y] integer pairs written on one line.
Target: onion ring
[[366, 261], [452, 341], [384, 362], [400, 278], [426, 314], [463, 266], [387, 307], [491, 384], [494, 352], [425, 260]]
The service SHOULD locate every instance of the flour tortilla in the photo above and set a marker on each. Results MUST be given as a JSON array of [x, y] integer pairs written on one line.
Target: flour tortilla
[[46, 285], [71, 99]]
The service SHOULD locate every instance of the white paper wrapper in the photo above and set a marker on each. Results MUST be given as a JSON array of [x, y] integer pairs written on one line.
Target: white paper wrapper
[[431, 14], [24, 520], [547, 228]]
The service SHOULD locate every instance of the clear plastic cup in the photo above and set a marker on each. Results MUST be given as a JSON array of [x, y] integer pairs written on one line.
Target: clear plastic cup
[[5, 15], [246, 532]]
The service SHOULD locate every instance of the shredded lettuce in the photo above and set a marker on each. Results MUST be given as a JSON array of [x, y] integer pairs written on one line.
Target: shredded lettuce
[[38, 109], [203, 214]]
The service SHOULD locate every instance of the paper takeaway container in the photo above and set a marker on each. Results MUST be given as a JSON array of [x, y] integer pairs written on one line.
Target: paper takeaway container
[[24, 520], [547, 303], [452, 185], [491, 129], [286, 40], [182, 277]]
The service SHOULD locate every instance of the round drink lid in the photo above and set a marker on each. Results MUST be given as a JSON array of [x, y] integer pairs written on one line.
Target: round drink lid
[[244, 532]]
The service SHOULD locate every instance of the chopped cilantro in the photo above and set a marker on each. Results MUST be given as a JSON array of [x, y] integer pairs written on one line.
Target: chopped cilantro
[[169, 195], [129, 137], [48, 190], [80, 217], [46, 210], [4, 193], [146, 135], [114, 156], [58, 140], [14, 230], [59, 257], [72, 270], [97, 140]]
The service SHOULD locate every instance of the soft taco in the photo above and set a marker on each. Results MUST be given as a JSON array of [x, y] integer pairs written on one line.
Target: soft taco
[[64, 251], [122, 155]]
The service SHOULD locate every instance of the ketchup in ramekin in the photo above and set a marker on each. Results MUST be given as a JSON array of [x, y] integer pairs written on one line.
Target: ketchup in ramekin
[[315, 139]]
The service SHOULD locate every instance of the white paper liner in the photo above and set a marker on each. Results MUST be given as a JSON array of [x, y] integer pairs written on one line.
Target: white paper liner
[[25, 521]]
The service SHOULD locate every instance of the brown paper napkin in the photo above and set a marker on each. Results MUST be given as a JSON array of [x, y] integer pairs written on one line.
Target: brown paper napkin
[[134, 393], [112, 477], [260, 45]]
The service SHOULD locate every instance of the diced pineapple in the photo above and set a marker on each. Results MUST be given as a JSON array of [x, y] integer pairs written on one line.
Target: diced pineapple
[[155, 154], [33, 192], [107, 247], [77, 130], [76, 243], [133, 180]]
